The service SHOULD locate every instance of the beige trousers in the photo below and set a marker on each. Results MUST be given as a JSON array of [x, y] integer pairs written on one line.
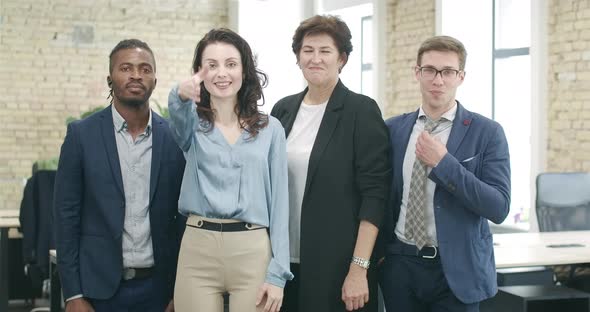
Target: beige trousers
[[211, 263]]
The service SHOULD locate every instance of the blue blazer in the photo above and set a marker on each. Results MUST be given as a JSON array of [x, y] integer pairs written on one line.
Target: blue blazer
[[89, 208], [472, 187]]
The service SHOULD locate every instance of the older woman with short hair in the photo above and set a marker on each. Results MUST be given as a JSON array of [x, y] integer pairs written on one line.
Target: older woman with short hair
[[339, 176]]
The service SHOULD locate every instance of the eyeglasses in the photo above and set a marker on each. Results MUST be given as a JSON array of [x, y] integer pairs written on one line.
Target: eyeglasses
[[446, 74]]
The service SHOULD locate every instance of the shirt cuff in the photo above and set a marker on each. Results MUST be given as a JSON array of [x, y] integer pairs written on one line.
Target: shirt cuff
[[74, 297]]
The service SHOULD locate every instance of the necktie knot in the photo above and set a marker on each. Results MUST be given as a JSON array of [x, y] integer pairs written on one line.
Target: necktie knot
[[431, 125]]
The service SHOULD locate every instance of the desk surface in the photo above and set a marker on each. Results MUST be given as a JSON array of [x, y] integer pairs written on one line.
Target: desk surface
[[9, 218], [547, 248], [9, 213]]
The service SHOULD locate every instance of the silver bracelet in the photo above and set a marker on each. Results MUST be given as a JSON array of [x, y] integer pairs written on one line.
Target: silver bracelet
[[363, 263]]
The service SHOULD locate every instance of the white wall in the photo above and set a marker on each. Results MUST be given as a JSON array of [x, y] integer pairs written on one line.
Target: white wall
[[268, 26]]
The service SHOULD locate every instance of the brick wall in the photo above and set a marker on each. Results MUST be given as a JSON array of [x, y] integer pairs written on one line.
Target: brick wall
[[54, 63], [409, 23], [568, 109]]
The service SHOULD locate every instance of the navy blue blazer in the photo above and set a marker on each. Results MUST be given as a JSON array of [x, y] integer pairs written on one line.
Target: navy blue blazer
[[472, 187], [89, 207]]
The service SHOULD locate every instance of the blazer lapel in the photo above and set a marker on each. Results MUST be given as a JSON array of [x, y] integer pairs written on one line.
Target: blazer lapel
[[327, 126], [110, 142], [402, 139], [291, 112], [158, 131], [461, 124]]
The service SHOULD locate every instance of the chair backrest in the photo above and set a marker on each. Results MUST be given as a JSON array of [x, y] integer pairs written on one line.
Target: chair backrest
[[36, 219], [563, 201]]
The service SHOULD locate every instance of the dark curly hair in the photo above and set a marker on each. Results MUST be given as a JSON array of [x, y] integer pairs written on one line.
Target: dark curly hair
[[251, 119]]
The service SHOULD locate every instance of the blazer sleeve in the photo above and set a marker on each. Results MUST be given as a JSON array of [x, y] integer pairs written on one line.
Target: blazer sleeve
[[487, 195], [68, 196], [180, 220], [372, 161]]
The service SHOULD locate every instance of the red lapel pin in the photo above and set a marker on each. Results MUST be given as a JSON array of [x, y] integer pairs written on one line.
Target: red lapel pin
[[466, 122]]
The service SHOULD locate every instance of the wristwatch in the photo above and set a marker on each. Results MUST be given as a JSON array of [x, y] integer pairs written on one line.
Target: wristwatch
[[363, 263]]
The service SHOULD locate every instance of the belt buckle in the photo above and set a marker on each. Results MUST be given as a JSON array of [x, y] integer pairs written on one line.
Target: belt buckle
[[129, 274], [433, 256]]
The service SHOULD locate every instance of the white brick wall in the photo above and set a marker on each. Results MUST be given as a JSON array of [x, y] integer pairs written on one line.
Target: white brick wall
[[54, 63], [409, 23], [569, 86]]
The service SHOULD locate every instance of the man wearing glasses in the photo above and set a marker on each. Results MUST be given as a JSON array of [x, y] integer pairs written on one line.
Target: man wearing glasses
[[451, 175]]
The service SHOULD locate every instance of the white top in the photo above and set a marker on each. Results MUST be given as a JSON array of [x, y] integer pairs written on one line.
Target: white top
[[442, 134], [299, 145]]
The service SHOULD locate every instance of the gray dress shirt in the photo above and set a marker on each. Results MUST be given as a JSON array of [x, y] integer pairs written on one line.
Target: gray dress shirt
[[135, 158]]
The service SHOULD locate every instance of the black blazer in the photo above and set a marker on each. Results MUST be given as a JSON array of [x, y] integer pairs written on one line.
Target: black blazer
[[89, 208], [348, 180]]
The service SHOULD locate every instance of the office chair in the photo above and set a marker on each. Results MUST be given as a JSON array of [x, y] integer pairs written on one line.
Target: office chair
[[563, 204], [36, 223], [563, 201]]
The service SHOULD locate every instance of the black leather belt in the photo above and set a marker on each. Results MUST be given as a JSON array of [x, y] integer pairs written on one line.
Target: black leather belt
[[137, 273], [399, 248], [224, 227]]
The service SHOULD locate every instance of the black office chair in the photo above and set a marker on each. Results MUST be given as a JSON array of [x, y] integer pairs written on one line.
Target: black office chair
[[563, 201], [563, 204], [36, 224]]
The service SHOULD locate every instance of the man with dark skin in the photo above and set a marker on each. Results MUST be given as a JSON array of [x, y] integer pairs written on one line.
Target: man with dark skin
[[116, 193]]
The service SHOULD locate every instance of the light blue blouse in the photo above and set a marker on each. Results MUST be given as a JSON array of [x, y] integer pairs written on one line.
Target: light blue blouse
[[245, 181]]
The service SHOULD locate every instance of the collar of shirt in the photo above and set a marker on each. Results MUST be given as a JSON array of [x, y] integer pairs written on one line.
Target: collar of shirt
[[120, 123], [449, 115]]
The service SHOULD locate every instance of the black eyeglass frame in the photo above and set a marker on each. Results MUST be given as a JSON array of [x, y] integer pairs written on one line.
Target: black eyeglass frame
[[437, 72]]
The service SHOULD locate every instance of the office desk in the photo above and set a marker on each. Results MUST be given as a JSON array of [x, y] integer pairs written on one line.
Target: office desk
[[8, 220], [539, 249], [546, 248]]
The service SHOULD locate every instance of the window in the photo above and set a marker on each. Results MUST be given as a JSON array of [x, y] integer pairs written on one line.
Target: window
[[357, 75], [270, 39], [511, 97], [498, 81], [367, 56]]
